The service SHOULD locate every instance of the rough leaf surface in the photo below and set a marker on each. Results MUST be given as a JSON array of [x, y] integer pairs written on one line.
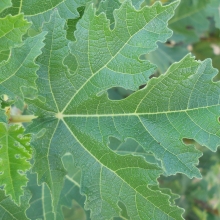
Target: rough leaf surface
[[80, 55], [14, 155], [19, 70], [85, 134], [39, 11], [10, 211]]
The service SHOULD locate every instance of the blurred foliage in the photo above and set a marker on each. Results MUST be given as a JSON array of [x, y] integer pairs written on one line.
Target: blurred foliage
[[199, 197]]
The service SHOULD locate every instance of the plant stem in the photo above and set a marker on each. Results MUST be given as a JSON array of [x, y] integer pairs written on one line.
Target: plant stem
[[21, 118]]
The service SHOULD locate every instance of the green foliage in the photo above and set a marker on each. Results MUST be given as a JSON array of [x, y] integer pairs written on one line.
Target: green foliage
[[165, 55], [12, 29], [19, 70], [113, 117], [206, 48], [14, 151], [70, 197], [214, 8], [4, 4], [190, 20], [9, 210]]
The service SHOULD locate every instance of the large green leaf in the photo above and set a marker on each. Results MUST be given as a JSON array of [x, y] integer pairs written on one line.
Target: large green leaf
[[107, 178], [14, 153], [164, 56], [19, 71]]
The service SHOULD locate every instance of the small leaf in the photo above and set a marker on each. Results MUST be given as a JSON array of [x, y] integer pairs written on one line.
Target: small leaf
[[14, 155]]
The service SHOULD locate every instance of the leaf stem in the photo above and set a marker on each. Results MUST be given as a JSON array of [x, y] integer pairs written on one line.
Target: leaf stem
[[21, 118]]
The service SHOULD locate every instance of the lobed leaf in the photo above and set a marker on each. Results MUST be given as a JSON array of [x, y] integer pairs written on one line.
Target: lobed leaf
[[107, 178], [79, 57], [15, 153]]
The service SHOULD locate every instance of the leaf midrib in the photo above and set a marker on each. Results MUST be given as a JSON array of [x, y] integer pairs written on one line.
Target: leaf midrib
[[136, 114]]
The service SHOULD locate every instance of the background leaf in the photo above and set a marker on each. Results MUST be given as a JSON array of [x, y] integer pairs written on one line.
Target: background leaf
[[9, 210], [190, 20], [4, 4], [214, 8], [12, 29], [107, 125], [39, 11], [166, 55], [20, 69], [41, 202], [71, 202]]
